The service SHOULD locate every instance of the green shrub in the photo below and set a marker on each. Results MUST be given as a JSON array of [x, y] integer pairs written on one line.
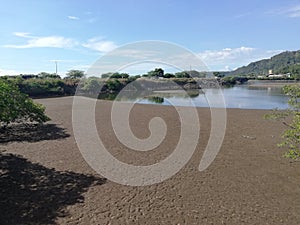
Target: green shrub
[[18, 107], [291, 136], [42, 87], [92, 85], [114, 85]]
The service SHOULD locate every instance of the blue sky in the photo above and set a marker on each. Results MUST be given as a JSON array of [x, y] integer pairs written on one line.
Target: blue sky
[[224, 34]]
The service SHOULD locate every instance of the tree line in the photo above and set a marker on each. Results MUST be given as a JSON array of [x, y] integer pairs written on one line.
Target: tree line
[[50, 84]]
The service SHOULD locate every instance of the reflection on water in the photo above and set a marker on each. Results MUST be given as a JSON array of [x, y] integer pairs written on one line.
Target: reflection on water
[[152, 96], [247, 97], [243, 96], [156, 99]]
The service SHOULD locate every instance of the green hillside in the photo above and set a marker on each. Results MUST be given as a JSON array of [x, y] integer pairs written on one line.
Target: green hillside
[[285, 62]]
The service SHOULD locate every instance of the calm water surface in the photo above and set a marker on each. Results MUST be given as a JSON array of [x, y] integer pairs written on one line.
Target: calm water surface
[[243, 97]]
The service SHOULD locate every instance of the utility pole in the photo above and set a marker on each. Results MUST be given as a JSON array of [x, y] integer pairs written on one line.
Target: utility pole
[[56, 67]]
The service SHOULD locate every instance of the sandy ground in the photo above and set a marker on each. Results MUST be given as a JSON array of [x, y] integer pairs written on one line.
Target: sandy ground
[[45, 180]]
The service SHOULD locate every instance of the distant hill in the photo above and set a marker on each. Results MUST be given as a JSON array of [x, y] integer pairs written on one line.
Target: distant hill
[[284, 62]]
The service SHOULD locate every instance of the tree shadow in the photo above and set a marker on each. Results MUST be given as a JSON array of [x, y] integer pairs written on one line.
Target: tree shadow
[[32, 133], [33, 194]]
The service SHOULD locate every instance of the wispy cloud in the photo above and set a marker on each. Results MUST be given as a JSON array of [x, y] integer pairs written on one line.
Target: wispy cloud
[[231, 58], [241, 15], [10, 72], [137, 54], [81, 67], [290, 11], [293, 11], [43, 42], [98, 44], [92, 20], [73, 17], [226, 53], [22, 34], [225, 56]]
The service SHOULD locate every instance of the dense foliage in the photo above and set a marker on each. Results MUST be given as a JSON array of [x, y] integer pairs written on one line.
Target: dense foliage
[[294, 70], [282, 63], [16, 106], [43, 87], [232, 80], [46, 84], [75, 74], [291, 136]]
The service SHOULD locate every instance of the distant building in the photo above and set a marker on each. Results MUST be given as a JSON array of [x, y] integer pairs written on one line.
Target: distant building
[[277, 76], [272, 75], [271, 72]]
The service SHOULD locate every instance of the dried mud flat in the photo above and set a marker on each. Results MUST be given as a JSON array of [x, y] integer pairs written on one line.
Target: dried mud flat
[[45, 180]]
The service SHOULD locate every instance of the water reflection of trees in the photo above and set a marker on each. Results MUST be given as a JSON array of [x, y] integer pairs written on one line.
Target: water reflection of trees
[[156, 99], [150, 95]]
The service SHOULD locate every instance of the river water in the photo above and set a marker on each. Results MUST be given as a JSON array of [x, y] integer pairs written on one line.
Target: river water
[[240, 96]]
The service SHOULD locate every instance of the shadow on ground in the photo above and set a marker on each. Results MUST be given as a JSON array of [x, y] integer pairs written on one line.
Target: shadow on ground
[[33, 194], [32, 133]]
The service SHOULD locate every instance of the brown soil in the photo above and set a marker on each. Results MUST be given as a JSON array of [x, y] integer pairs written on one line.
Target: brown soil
[[45, 180]]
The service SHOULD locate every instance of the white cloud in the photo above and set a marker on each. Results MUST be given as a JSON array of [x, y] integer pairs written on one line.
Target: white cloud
[[83, 67], [246, 14], [73, 17], [227, 68], [9, 72], [135, 53], [98, 44], [291, 11], [22, 34], [230, 58], [92, 20], [42, 42], [224, 54]]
